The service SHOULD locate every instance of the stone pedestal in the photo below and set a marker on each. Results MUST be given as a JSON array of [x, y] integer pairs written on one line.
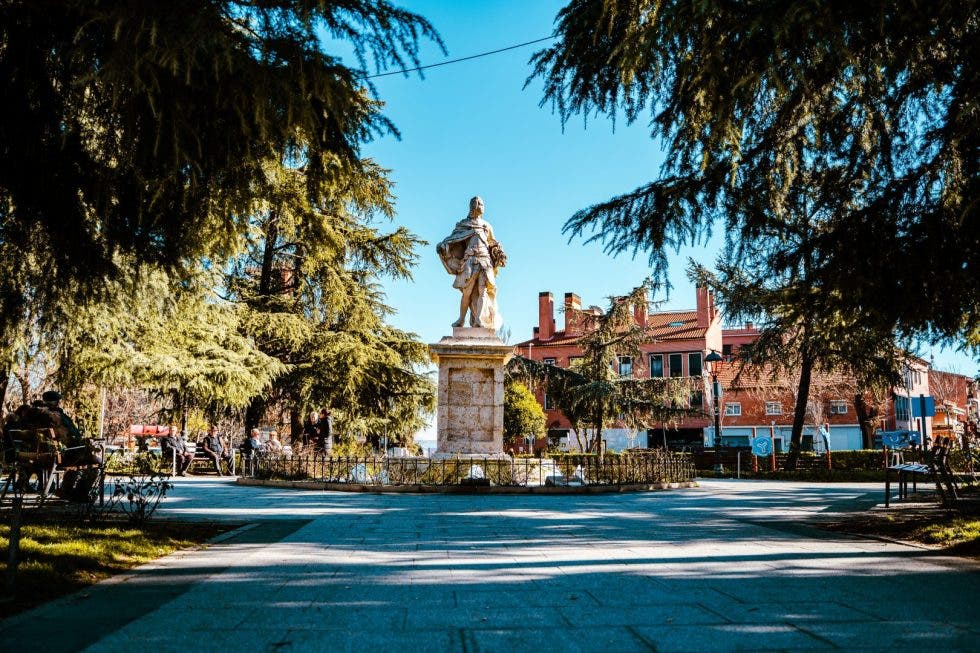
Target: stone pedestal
[[470, 417]]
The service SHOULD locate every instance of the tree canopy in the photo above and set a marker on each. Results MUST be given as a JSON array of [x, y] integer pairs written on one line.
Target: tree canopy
[[175, 339], [523, 415], [308, 279], [871, 106], [138, 132]]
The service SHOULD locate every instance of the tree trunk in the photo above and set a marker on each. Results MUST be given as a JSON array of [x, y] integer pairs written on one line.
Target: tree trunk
[[866, 420], [269, 255], [597, 433], [256, 408], [4, 382], [295, 426], [254, 413], [183, 412], [799, 413]]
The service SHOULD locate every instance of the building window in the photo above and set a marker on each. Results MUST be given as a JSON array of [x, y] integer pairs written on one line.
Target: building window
[[574, 361], [656, 366], [676, 362], [697, 399], [547, 402], [694, 364], [733, 409], [902, 409], [626, 366], [838, 407], [774, 408], [549, 361], [726, 351], [912, 377]]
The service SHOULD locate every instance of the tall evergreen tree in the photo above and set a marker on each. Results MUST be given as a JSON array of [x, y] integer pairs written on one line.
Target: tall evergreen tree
[[873, 103], [803, 331], [183, 344], [308, 277], [137, 132]]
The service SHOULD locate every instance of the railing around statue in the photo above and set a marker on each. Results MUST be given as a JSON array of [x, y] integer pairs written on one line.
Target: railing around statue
[[650, 468]]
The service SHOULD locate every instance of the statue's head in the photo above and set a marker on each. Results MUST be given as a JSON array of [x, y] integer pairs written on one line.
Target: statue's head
[[476, 207]]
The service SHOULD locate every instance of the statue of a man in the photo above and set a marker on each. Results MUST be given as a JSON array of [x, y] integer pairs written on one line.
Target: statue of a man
[[472, 255]]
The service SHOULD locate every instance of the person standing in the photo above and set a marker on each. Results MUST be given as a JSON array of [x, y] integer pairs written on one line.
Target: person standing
[[310, 433], [325, 431], [211, 445]]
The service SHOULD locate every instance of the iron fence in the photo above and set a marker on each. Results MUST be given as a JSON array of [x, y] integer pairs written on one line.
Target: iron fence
[[569, 470]]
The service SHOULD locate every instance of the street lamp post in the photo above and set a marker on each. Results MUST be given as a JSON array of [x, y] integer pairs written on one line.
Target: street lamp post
[[713, 359]]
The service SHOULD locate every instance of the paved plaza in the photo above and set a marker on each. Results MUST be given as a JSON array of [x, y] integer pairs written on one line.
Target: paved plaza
[[727, 566]]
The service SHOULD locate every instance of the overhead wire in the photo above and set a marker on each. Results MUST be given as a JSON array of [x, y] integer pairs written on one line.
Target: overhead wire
[[451, 61]]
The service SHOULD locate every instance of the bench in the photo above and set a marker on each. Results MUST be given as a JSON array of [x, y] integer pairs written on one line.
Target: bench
[[935, 467], [36, 452], [202, 458]]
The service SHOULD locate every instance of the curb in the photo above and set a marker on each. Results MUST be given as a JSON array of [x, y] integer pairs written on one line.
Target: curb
[[462, 489]]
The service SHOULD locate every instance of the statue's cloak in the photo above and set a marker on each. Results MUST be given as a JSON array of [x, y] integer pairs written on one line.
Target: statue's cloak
[[452, 252], [452, 249]]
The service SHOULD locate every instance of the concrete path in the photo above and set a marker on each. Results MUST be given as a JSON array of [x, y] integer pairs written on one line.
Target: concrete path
[[728, 566]]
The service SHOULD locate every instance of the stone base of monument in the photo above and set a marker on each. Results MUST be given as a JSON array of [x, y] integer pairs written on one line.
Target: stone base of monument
[[470, 414]]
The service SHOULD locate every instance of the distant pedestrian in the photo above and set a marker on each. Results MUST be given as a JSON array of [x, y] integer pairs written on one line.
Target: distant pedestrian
[[310, 432]]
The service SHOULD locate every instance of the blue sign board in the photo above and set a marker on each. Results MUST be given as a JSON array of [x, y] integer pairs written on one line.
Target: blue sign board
[[917, 406], [899, 439], [762, 445]]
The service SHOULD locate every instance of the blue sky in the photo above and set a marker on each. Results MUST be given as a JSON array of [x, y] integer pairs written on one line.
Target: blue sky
[[471, 128]]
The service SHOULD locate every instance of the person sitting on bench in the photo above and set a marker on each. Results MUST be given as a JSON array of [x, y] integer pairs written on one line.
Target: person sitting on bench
[[173, 445], [211, 446]]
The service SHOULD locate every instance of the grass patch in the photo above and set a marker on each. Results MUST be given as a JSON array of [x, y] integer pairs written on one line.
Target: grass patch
[[925, 524], [60, 558], [956, 532]]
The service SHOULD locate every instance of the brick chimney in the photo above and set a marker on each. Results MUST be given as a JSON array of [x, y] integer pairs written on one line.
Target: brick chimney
[[640, 313], [546, 316], [706, 306], [573, 304]]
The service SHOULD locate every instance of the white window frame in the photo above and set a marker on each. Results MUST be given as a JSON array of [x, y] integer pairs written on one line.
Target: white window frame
[[619, 365], [700, 359], [903, 409], [662, 370], [774, 408], [547, 402], [733, 409], [837, 407], [667, 371], [549, 361]]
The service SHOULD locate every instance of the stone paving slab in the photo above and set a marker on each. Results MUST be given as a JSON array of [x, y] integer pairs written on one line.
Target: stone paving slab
[[728, 566]]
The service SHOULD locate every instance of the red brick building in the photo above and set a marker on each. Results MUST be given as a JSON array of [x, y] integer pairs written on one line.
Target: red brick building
[[679, 342], [754, 405], [953, 394], [757, 405]]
